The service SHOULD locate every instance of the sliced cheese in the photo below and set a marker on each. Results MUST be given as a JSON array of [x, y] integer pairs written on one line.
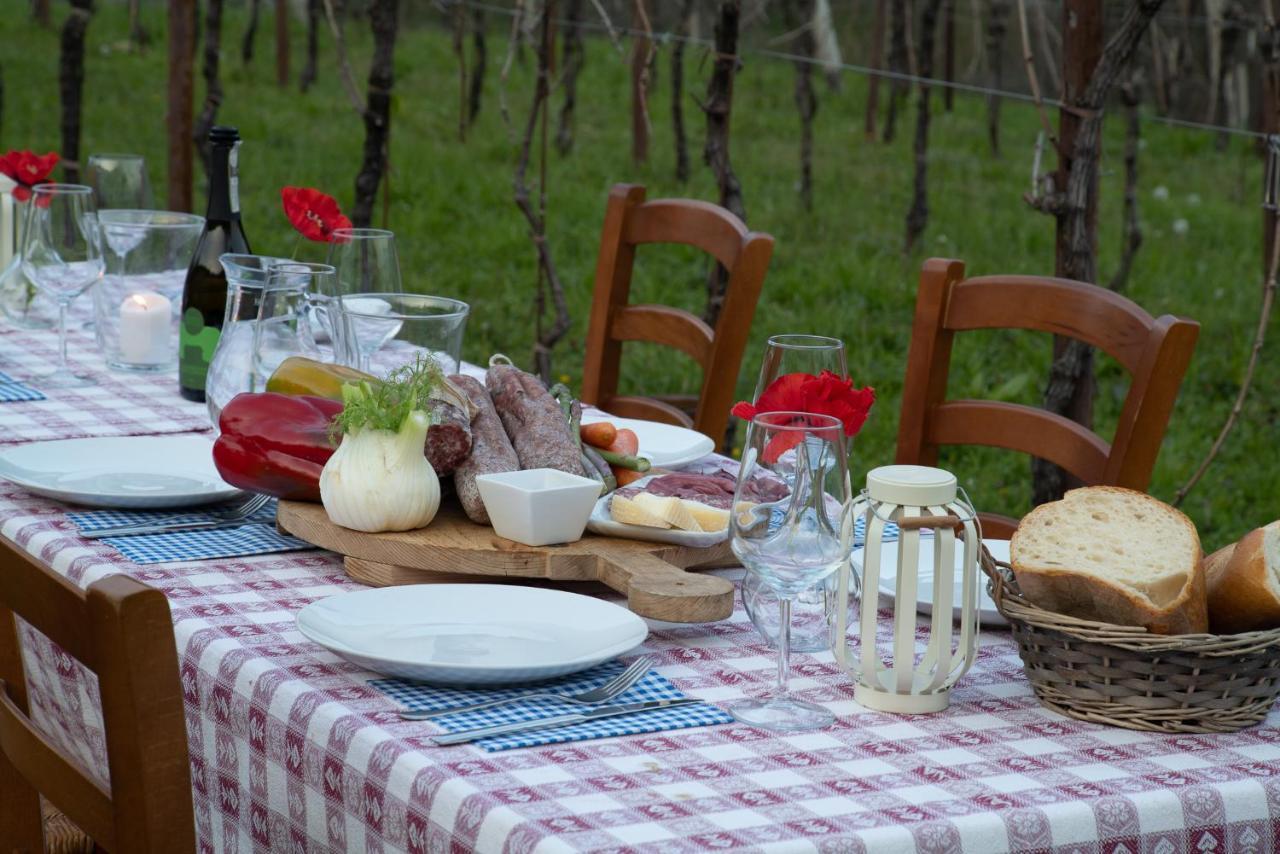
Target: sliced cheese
[[672, 509], [708, 518], [631, 511]]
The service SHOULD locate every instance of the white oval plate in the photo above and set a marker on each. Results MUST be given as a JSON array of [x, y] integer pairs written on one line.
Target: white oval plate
[[987, 614], [471, 634], [664, 445], [601, 522], [134, 472]]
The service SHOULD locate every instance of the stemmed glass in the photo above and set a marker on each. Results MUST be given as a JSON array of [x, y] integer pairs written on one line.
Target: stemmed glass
[[62, 256], [365, 261], [120, 181], [787, 529], [810, 630]]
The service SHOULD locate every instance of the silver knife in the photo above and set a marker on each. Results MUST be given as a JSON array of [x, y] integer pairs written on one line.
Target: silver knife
[[466, 735], [163, 528]]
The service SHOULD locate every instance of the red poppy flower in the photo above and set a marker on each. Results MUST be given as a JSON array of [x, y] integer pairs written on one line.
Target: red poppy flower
[[825, 394], [27, 169], [314, 214]]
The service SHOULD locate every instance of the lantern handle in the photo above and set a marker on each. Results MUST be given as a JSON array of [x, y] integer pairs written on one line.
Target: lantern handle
[[912, 523]]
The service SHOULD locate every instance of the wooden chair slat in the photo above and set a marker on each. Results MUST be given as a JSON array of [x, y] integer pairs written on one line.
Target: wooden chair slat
[[631, 221], [51, 772], [1155, 351], [996, 526], [649, 409], [49, 603], [996, 424], [662, 324], [674, 220], [1097, 316]]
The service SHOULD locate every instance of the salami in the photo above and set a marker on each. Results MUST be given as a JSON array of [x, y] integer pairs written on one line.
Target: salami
[[534, 422], [491, 451], [448, 437]]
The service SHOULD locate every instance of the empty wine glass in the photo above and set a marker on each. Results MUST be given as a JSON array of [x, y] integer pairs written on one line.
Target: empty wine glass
[[284, 326], [787, 529], [812, 609], [365, 261], [62, 256], [120, 181]]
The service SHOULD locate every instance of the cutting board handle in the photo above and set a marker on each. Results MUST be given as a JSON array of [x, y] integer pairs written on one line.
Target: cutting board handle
[[657, 589]]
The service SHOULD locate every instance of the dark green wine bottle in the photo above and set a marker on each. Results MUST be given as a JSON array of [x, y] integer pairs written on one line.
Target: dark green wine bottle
[[204, 297]]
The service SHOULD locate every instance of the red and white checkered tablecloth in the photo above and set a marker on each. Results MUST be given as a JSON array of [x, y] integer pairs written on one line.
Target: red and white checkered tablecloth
[[291, 751]]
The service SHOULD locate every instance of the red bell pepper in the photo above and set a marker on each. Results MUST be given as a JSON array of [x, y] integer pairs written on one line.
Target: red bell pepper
[[275, 443]]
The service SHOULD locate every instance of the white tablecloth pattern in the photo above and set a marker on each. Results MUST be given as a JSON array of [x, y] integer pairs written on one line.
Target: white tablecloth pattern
[[291, 751]]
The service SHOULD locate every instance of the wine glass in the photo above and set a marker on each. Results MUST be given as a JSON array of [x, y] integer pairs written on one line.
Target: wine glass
[[62, 256], [787, 529], [365, 261], [811, 610], [120, 181]]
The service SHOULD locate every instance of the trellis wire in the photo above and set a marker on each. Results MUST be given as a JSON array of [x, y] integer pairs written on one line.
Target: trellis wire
[[968, 88]]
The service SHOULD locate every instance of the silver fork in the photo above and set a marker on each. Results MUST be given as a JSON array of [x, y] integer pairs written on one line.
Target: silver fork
[[613, 688], [221, 519]]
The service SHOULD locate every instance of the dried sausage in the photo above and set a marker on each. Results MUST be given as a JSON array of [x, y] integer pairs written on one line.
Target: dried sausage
[[491, 451], [535, 424]]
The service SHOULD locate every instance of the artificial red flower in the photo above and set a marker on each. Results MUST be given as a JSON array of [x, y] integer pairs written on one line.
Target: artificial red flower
[[27, 169], [314, 214], [825, 394]]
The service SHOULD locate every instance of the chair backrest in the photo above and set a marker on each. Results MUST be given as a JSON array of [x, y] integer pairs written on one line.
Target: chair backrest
[[630, 221], [1155, 352], [121, 630]]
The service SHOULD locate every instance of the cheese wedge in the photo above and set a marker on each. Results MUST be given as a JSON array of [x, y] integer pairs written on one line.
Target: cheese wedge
[[673, 510], [631, 511], [708, 518]]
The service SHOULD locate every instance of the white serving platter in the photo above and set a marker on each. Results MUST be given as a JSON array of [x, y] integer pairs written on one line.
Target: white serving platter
[[987, 614], [471, 634], [664, 445], [134, 472]]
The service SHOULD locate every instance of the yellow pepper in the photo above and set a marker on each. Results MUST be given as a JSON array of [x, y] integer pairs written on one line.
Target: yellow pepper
[[300, 375]]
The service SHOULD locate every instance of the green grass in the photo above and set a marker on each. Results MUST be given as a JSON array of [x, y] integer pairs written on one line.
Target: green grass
[[838, 270]]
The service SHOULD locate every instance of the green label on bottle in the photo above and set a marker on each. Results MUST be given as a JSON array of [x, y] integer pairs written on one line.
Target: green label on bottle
[[196, 343]]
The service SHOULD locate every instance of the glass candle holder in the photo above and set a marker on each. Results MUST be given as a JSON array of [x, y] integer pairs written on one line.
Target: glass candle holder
[[136, 304]]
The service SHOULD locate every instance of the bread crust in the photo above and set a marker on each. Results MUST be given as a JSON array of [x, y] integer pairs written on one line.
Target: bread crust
[[1076, 594], [1240, 600]]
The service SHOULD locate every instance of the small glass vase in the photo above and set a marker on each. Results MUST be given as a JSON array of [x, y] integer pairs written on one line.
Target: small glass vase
[[20, 302]]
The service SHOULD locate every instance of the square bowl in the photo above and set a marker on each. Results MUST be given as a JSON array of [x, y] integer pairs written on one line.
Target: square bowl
[[538, 507]]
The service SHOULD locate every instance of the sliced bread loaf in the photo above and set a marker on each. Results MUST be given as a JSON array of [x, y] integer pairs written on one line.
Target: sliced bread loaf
[[1113, 555], [1244, 583]]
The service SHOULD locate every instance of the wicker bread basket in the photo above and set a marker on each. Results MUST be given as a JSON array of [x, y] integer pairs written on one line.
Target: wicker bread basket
[[1124, 676]]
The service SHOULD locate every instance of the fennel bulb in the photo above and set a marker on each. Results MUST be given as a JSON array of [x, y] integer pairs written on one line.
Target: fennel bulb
[[379, 480]]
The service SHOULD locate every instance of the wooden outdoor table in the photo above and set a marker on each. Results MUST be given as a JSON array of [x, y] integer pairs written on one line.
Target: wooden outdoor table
[[291, 750]]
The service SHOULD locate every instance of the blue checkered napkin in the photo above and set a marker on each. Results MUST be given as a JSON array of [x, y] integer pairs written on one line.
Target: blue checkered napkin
[[258, 536], [416, 695], [12, 391]]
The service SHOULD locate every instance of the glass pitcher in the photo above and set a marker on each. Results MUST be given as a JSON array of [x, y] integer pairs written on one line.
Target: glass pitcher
[[231, 370]]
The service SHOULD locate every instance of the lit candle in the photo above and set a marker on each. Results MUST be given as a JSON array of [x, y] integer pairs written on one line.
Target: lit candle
[[144, 329]]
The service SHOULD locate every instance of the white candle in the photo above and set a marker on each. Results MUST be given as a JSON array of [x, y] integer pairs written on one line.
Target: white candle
[[144, 329]]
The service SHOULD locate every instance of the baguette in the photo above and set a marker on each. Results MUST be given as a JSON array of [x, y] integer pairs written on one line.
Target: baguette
[[1116, 556], [1244, 583]]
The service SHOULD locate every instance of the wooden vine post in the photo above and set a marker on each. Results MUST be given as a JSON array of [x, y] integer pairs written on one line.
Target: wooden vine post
[[717, 107], [572, 57], [310, 68], [996, 26], [641, 55], [1090, 72], [282, 43], [250, 32], [71, 85], [1269, 49], [876, 63], [799, 13], [948, 52], [383, 15], [687, 10], [182, 48], [476, 77], [212, 86], [899, 19]]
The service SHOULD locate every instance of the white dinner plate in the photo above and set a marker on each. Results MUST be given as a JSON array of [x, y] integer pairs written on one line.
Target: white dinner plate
[[987, 615], [471, 634], [664, 445], [601, 522], [129, 471]]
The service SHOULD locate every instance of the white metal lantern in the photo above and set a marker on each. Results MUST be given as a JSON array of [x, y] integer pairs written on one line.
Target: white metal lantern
[[900, 676]]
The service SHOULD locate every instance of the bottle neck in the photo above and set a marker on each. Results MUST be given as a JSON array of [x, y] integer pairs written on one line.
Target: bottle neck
[[224, 185]]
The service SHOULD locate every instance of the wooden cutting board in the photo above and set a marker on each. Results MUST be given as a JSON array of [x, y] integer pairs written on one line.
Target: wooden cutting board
[[452, 547]]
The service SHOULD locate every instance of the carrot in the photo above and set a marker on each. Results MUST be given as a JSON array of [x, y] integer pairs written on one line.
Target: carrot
[[626, 476], [626, 442], [600, 434]]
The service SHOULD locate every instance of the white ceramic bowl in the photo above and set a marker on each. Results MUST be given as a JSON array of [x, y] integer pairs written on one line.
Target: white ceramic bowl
[[538, 507]]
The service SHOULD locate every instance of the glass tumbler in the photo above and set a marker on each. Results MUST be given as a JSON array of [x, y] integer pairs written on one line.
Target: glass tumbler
[[380, 332]]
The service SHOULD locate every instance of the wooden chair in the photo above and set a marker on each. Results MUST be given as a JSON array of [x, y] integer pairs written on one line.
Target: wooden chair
[[121, 630], [1155, 352], [630, 221]]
